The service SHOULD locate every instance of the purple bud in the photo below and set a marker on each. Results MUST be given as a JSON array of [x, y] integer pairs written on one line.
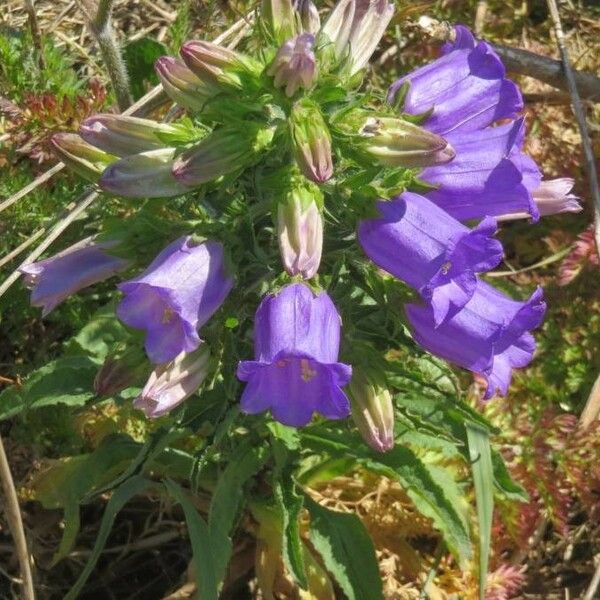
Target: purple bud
[[312, 142], [120, 372], [398, 143], [371, 19], [372, 411], [172, 383], [300, 230], [122, 135], [212, 63], [296, 373], [144, 175], [439, 261], [294, 65], [54, 279], [181, 85], [309, 16], [84, 159], [180, 290], [489, 335]]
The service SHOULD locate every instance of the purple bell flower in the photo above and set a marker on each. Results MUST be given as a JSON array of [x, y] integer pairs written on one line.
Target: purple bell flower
[[180, 290], [294, 65], [54, 279], [425, 247], [489, 336], [296, 373], [489, 175], [465, 90]]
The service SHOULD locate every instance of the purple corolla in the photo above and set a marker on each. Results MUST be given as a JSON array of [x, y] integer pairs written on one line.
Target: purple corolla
[[54, 279], [180, 290], [296, 371], [489, 336], [424, 246]]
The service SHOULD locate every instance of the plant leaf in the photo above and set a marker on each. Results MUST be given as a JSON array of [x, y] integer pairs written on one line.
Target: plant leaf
[[347, 551]]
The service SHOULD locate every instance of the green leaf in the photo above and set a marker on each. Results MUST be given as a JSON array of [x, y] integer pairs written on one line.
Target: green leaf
[[505, 484], [432, 500], [132, 487], [347, 551], [483, 477], [140, 57], [202, 550], [227, 501], [290, 504], [67, 380]]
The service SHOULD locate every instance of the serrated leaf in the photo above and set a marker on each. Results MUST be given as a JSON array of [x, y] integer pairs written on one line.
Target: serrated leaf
[[483, 477], [132, 487], [202, 551], [347, 551]]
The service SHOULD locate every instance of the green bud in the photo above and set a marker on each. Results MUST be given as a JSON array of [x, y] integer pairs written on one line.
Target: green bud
[[86, 160], [280, 18]]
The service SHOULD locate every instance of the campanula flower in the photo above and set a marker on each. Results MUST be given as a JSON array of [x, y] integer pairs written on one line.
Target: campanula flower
[[296, 371], [294, 65]]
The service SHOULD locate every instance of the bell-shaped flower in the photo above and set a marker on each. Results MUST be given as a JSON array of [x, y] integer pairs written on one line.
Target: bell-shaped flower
[[280, 18], [308, 16], [395, 142], [311, 141], [371, 19], [144, 175], [294, 65], [464, 90], [300, 229], [489, 176], [489, 336], [54, 279], [171, 383], [84, 159], [223, 151], [425, 247], [372, 410], [181, 85], [177, 294], [296, 371], [122, 135]]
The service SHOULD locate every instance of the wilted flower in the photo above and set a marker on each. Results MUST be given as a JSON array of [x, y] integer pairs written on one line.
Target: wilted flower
[[181, 85], [296, 373], [294, 65], [310, 22], [372, 410], [172, 383], [582, 253], [123, 135], [180, 290], [338, 26], [223, 151], [396, 142], [425, 247], [54, 279], [311, 141], [120, 371], [489, 335], [83, 158], [144, 175], [280, 18], [300, 229]]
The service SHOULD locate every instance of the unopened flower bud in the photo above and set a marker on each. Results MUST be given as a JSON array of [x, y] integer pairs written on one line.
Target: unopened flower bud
[[222, 152], [308, 15], [300, 229], [173, 382], [280, 18], [338, 27], [144, 175], [120, 372], [372, 411], [123, 135], [294, 65], [181, 85], [84, 159], [311, 141], [397, 143]]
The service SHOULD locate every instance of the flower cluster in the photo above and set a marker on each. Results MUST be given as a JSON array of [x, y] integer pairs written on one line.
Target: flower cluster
[[294, 119]]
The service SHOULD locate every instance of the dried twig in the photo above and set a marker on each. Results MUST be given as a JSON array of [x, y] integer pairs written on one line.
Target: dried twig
[[31, 186], [13, 516], [35, 32], [590, 593], [586, 141]]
